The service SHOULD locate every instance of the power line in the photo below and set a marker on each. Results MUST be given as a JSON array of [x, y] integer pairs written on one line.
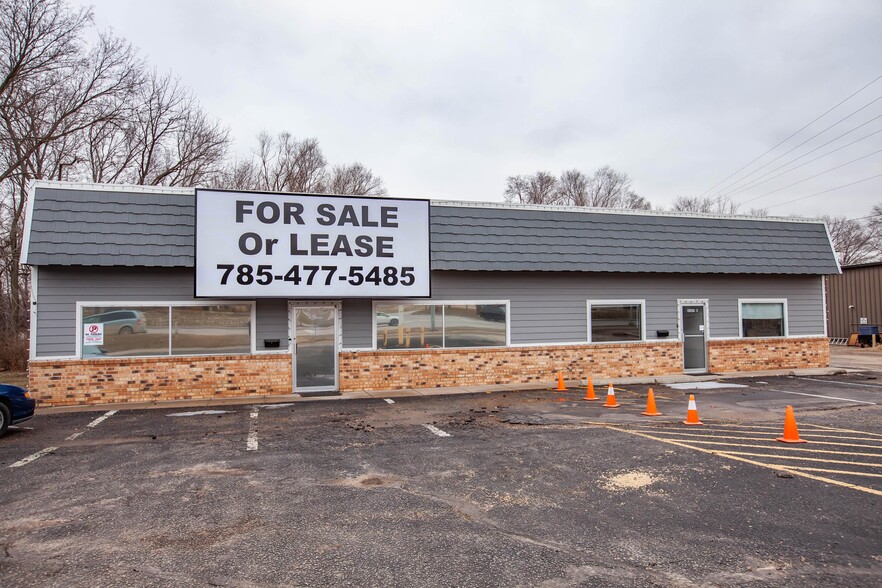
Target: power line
[[864, 217], [756, 182], [826, 191], [814, 176], [792, 149], [793, 135]]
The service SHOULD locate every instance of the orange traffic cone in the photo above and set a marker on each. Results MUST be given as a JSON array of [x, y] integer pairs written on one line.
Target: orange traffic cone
[[791, 434], [692, 413], [560, 383], [651, 410], [611, 398], [589, 390], [561, 388]]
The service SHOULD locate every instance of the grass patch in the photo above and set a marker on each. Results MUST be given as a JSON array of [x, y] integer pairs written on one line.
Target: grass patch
[[14, 378]]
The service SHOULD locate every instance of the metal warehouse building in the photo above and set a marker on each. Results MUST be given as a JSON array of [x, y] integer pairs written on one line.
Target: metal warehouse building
[[156, 293], [854, 300]]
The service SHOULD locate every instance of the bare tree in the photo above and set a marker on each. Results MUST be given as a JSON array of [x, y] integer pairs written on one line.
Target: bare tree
[[283, 163], [354, 179], [160, 137], [854, 241], [634, 201], [605, 188], [539, 188], [574, 188], [708, 205], [608, 188], [70, 93], [875, 216], [39, 41]]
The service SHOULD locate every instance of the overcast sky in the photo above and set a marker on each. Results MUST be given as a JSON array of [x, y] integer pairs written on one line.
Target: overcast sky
[[446, 99]]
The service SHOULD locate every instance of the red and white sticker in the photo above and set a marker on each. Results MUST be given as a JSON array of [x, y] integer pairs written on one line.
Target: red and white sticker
[[93, 334]]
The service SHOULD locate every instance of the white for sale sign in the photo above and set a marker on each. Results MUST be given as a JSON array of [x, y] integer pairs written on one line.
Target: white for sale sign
[[251, 245], [93, 334]]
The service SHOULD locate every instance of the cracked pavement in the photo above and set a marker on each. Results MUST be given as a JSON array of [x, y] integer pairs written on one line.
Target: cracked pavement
[[525, 491]]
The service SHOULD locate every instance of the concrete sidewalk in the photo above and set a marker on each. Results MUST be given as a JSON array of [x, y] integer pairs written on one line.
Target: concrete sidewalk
[[855, 358], [449, 391]]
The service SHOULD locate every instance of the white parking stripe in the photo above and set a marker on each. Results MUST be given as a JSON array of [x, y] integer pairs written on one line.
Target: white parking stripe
[[821, 396], [31, 458], [43, 452], [92, 425], [437, 431], [251, 443], [101, 419], [389, 400], [843, 383], [197, 413]]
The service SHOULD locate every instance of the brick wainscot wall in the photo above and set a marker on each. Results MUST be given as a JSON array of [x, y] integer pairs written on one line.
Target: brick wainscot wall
[[95, 381], [146, 379], [417, 368], [774, 353]]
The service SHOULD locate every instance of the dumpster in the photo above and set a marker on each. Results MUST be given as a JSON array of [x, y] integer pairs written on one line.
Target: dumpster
[[868, 334]]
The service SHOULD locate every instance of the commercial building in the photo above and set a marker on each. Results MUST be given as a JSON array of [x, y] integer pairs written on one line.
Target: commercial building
[[157, 293], [854, 301]]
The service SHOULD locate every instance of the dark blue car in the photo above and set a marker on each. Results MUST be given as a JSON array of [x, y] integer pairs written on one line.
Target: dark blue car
[[16, 405]]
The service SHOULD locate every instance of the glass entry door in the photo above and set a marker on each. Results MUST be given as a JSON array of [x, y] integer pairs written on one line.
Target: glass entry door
[[314, 348], [694, 338]]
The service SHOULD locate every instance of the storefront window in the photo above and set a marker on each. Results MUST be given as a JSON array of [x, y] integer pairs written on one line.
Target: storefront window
[[414, 326], [199, 330], [138, 331], [128, 330], [474, 325], [616, 322], [762, 319], [409, 326]]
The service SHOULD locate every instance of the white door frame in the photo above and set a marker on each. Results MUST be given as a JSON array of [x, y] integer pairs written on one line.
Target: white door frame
[[292, 332], [682, 336]]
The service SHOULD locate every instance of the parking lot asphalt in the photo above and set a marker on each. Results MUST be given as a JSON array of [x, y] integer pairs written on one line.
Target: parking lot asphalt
[[505, 489]]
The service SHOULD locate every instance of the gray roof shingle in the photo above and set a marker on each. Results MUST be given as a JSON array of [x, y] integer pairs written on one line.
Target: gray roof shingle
[[525, 239], [79, 226]]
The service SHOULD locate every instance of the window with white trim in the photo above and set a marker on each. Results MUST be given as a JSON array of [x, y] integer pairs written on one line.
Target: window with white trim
[[169, 329], [763, 318], [414, 325], [611, 321]]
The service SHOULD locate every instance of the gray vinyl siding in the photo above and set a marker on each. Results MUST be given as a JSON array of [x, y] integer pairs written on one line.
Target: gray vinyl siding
[[552, 307], [357, 323], [544, 307], [272, 322], [59, 290]]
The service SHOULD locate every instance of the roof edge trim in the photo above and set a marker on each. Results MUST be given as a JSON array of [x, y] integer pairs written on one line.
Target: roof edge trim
[[60, 184], [860, 265], [28, 223], [832, 248], [619, 211]]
